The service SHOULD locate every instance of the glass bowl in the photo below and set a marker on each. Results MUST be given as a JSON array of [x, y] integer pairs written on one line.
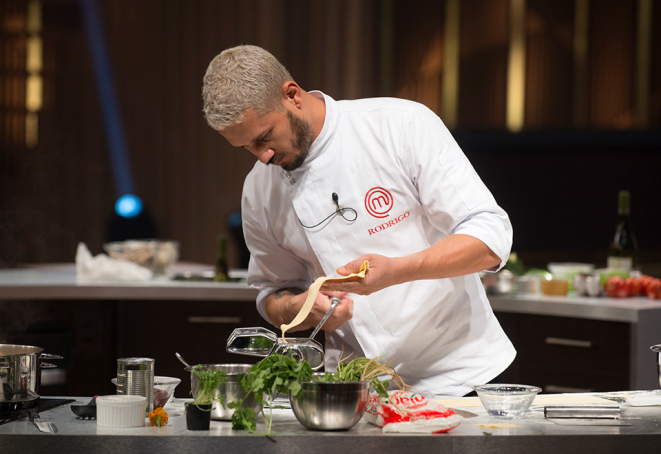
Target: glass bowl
[[157, 255], [163, 389], [506, 400]]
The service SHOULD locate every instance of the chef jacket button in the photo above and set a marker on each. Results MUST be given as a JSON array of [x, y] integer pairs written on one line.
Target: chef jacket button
[[292, 181], [287, 174]]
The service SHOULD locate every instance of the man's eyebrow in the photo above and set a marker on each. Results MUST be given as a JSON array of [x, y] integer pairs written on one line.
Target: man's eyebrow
[[262, 135]]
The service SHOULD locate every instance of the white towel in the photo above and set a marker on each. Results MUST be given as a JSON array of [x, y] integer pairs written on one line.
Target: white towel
[[104, 268]]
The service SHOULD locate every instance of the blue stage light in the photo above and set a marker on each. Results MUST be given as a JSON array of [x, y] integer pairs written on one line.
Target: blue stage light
[[128, 206]]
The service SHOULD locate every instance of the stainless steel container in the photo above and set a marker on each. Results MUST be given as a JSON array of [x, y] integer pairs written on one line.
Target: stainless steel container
[[232, 389], [135, 376], [657, 349], [20, 372], [331, 405]]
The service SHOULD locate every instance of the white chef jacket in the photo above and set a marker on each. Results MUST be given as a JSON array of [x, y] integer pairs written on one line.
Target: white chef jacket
[[398, 166]]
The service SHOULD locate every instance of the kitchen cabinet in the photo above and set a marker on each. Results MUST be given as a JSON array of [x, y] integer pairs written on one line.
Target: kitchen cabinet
[[574, 343], [563, 354]]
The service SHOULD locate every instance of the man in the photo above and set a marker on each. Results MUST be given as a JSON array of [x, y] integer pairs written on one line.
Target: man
[[423, 219]]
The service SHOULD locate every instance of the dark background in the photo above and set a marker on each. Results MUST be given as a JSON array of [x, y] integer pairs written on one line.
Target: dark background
[[558, 178]]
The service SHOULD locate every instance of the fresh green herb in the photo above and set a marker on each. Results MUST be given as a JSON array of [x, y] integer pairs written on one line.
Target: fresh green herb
[[283, 374], [361, 369], [275, 373], [208, 382]]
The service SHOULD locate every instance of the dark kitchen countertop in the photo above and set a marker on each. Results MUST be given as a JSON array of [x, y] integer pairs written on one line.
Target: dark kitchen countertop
[[535, 435]]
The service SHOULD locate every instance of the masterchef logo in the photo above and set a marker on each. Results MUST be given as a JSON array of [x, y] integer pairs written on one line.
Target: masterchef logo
[[378, 202], [390, 223]]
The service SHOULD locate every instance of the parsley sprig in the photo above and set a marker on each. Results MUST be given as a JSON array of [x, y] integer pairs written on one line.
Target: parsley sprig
[[275, 373], [208, 382]]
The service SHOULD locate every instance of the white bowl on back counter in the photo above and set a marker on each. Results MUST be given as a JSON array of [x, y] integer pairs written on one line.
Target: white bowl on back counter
[[567, 270]]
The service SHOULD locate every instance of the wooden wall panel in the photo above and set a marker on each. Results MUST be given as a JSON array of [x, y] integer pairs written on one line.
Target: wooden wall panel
[[655, 68], [549, 34], [611, 55], [483, 50]]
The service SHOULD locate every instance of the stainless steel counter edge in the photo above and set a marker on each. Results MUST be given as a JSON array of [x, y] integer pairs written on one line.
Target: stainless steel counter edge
[[629, 310], [533, 434]]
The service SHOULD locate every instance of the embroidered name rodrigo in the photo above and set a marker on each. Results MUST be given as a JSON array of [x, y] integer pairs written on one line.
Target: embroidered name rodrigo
[[390, 223]]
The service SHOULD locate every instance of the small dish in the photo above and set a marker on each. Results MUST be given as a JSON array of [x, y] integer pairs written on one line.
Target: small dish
[[163, 389], [506, 401], [555, 287], [121, 411]]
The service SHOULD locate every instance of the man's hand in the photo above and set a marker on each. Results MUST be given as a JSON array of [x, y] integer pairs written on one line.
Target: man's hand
[[382, 273], [282, 306], [455, 255]]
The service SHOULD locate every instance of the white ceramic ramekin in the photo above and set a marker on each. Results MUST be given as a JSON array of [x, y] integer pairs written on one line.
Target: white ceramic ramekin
[[121, 411]]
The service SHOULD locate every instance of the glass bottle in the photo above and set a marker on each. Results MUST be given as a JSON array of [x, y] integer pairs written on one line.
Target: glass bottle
[[623, 252], [221, 259]]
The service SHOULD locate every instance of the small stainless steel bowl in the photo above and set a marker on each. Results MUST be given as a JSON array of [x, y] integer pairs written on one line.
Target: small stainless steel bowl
[[232, 389], [326, 405]]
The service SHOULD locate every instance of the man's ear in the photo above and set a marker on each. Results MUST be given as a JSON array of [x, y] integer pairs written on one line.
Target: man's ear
[[291, 93]]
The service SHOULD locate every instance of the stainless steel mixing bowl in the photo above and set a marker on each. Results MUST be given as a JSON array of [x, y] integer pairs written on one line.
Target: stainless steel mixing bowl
[[331, 405], [232, 389]]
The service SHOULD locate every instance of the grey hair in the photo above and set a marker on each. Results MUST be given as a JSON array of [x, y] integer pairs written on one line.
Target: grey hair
[[239, 78]]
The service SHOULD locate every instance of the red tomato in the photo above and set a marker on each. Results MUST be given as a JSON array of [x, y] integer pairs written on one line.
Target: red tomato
[[635, 284], [654, 289], [617, 287], [645, 281]]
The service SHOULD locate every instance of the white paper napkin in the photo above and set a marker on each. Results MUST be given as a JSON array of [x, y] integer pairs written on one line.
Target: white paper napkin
[[104, 268]]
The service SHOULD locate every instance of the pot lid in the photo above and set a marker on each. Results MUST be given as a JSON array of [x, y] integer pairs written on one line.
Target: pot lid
[[17, 350]]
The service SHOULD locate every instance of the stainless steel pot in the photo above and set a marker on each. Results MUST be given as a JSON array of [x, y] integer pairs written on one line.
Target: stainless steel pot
[[20, 372], [232, 389], [657, 349]]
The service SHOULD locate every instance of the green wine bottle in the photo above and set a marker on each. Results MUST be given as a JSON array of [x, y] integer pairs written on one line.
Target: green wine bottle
[[623, 252], [221, 259]]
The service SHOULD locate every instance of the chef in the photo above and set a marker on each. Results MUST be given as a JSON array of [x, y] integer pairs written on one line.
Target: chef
[[382, 180]]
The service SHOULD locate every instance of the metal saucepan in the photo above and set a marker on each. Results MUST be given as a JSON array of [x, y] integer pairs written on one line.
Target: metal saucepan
[[232, 389], [20, 372], [657, 349]]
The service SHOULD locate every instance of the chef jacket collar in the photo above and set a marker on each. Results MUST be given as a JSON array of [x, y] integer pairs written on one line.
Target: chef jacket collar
[[320, 143]]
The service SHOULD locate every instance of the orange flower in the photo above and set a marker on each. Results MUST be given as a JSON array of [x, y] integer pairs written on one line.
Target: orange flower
[[158, 417]]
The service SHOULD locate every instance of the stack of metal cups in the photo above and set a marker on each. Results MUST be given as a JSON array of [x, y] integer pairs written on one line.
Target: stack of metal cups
[[135, 376]]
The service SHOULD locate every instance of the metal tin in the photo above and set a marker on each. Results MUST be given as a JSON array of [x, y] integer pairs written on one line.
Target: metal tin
[[263, 342], [135, 376], [582, 411]]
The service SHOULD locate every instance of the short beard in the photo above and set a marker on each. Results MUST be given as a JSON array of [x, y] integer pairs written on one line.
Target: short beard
[[302, 141]]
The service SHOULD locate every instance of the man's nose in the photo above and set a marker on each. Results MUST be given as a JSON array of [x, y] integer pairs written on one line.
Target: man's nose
[[265, 154]]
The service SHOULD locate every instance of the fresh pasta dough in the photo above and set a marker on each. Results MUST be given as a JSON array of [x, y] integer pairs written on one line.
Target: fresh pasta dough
[[312, 295]]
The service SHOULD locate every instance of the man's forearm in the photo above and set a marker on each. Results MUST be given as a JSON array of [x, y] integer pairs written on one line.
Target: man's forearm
[[456, 255], [279, 306]]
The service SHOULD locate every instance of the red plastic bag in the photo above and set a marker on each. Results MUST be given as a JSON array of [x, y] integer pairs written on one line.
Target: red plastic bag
[[409, 412]]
